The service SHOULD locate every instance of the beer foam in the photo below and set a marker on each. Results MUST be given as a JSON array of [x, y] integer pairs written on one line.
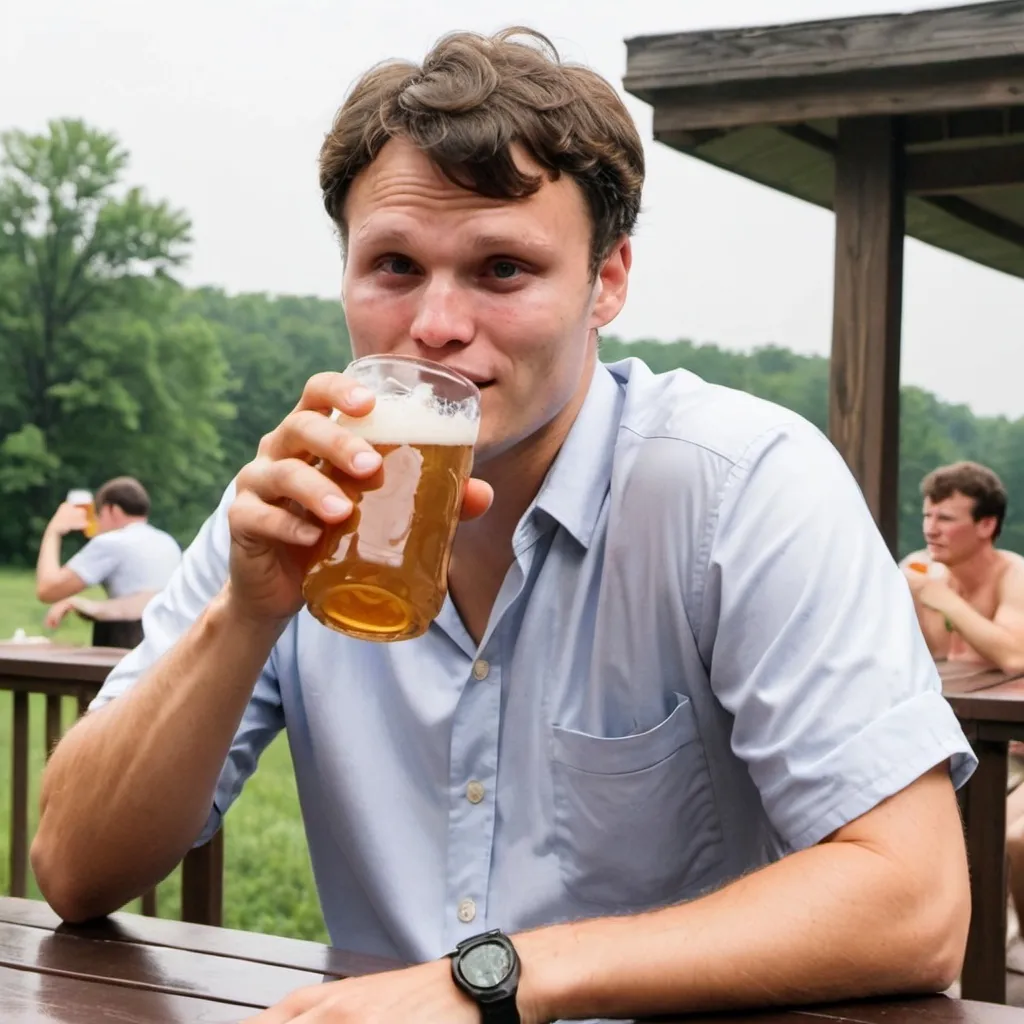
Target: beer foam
[[413, 418]]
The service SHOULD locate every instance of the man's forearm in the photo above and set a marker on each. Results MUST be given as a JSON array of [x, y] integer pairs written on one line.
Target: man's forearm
[[131, 785], [113, 609], [835, 921], [988, 638], [933, 626], [48, 561]]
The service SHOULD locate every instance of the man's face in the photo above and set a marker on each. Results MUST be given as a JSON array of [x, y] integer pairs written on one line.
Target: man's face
[[950, 531], [499, 290], [107, 518]]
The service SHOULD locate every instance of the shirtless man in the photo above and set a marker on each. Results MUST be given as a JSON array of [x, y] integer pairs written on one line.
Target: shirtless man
[[970, 601]]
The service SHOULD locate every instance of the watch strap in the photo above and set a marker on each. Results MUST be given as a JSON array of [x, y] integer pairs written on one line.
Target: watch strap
[[504, 1012]]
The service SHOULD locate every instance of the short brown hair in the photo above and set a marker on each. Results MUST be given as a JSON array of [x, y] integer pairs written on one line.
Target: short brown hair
[[126, 493], [972, 480], [476, 97]]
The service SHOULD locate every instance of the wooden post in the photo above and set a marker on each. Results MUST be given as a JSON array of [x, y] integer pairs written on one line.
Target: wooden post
[[202, 882], [18, 884], [864, 393], [983, 805]]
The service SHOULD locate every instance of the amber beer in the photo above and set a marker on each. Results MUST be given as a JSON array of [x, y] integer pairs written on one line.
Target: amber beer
[[383, 573], [83, 499]]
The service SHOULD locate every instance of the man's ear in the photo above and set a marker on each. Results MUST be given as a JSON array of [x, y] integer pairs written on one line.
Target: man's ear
[[612, 284]]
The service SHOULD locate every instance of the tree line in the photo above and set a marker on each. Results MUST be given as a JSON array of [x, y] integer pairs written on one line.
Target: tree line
[[109, 366]]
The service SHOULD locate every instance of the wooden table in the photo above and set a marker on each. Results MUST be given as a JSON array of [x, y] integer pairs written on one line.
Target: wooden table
[[58, 671], [137, 970], [990, 707]]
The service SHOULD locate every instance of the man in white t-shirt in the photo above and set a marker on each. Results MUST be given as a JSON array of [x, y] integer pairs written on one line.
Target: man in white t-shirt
[[128, 557]]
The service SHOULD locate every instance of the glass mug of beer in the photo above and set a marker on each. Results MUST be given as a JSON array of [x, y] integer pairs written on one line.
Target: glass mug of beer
[[382, 574], [83, 499]]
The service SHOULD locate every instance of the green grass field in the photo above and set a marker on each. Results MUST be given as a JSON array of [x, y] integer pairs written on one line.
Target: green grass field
[[268, 885]]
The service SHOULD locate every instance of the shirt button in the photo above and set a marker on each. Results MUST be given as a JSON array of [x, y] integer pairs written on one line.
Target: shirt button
[[467, 911], [480, 669], [475, 792]]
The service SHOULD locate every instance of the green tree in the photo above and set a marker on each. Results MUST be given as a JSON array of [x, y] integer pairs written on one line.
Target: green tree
[[96, 377], [272, 346]]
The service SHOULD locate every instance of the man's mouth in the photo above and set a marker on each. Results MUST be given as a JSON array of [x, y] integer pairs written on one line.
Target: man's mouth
[[480, 381]]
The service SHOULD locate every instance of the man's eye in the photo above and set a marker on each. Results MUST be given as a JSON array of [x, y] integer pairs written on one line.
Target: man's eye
[[504, 269], [398, 265]]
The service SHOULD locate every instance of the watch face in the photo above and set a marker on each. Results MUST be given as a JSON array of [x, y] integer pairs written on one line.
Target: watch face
[[486, 965]]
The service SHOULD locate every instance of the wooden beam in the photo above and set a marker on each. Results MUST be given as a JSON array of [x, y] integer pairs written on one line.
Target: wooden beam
[[865, 366], [985, 220], [963, 170], [964, 126], [689, 140], [793, 100], [926, 39], [810, 136]]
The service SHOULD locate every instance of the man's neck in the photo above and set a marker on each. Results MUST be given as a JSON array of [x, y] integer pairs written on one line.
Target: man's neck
[[516, 476], [977, 570], [124, 521]]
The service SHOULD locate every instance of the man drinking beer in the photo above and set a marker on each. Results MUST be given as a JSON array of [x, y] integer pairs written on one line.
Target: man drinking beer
[[674, 740], [129, 557]]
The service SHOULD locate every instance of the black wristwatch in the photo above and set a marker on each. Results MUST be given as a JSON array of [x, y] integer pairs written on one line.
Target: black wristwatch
[[486, 968]]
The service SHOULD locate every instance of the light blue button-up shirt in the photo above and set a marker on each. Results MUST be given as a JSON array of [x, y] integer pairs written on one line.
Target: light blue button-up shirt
[[702, 658]]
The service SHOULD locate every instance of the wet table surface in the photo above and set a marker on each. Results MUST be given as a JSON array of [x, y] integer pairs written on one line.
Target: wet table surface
[[136, 970]]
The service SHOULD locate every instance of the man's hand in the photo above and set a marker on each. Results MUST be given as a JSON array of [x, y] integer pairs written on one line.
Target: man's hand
[[283, 500], [424, 994], [56, 612], [66, 519], [927, 589]]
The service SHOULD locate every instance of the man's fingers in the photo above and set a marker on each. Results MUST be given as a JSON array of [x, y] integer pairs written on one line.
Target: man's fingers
[[292, 480], [325, 392], [477, 499], [292, 1007], [311, 435], [252, 518]]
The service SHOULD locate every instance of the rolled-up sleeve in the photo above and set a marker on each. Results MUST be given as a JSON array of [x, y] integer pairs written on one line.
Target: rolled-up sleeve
[[813, 644], [198, 579]]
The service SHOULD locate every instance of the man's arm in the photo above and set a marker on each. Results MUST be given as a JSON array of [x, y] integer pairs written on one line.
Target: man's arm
[[128, 790], [111, 609], [999, 640], [152, 758], [114, 609], [881, 907], [935, 631], [54, 583]]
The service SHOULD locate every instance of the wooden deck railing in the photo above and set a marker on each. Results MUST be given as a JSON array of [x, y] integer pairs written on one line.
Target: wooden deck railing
[[57, 673]]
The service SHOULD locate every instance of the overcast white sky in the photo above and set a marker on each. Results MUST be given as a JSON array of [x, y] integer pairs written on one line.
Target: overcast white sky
[[223, 104]]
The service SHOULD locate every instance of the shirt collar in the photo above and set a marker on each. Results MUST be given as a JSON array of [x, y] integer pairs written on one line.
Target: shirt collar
[[574, 489]]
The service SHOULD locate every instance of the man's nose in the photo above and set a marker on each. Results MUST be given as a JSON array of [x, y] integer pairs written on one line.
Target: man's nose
[[444, 314]]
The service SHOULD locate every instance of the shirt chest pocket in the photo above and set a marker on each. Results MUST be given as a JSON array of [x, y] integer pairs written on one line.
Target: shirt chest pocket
[[635, 823]]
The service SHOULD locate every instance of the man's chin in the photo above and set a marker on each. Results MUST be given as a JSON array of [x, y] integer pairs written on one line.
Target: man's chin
[[487, 449]]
